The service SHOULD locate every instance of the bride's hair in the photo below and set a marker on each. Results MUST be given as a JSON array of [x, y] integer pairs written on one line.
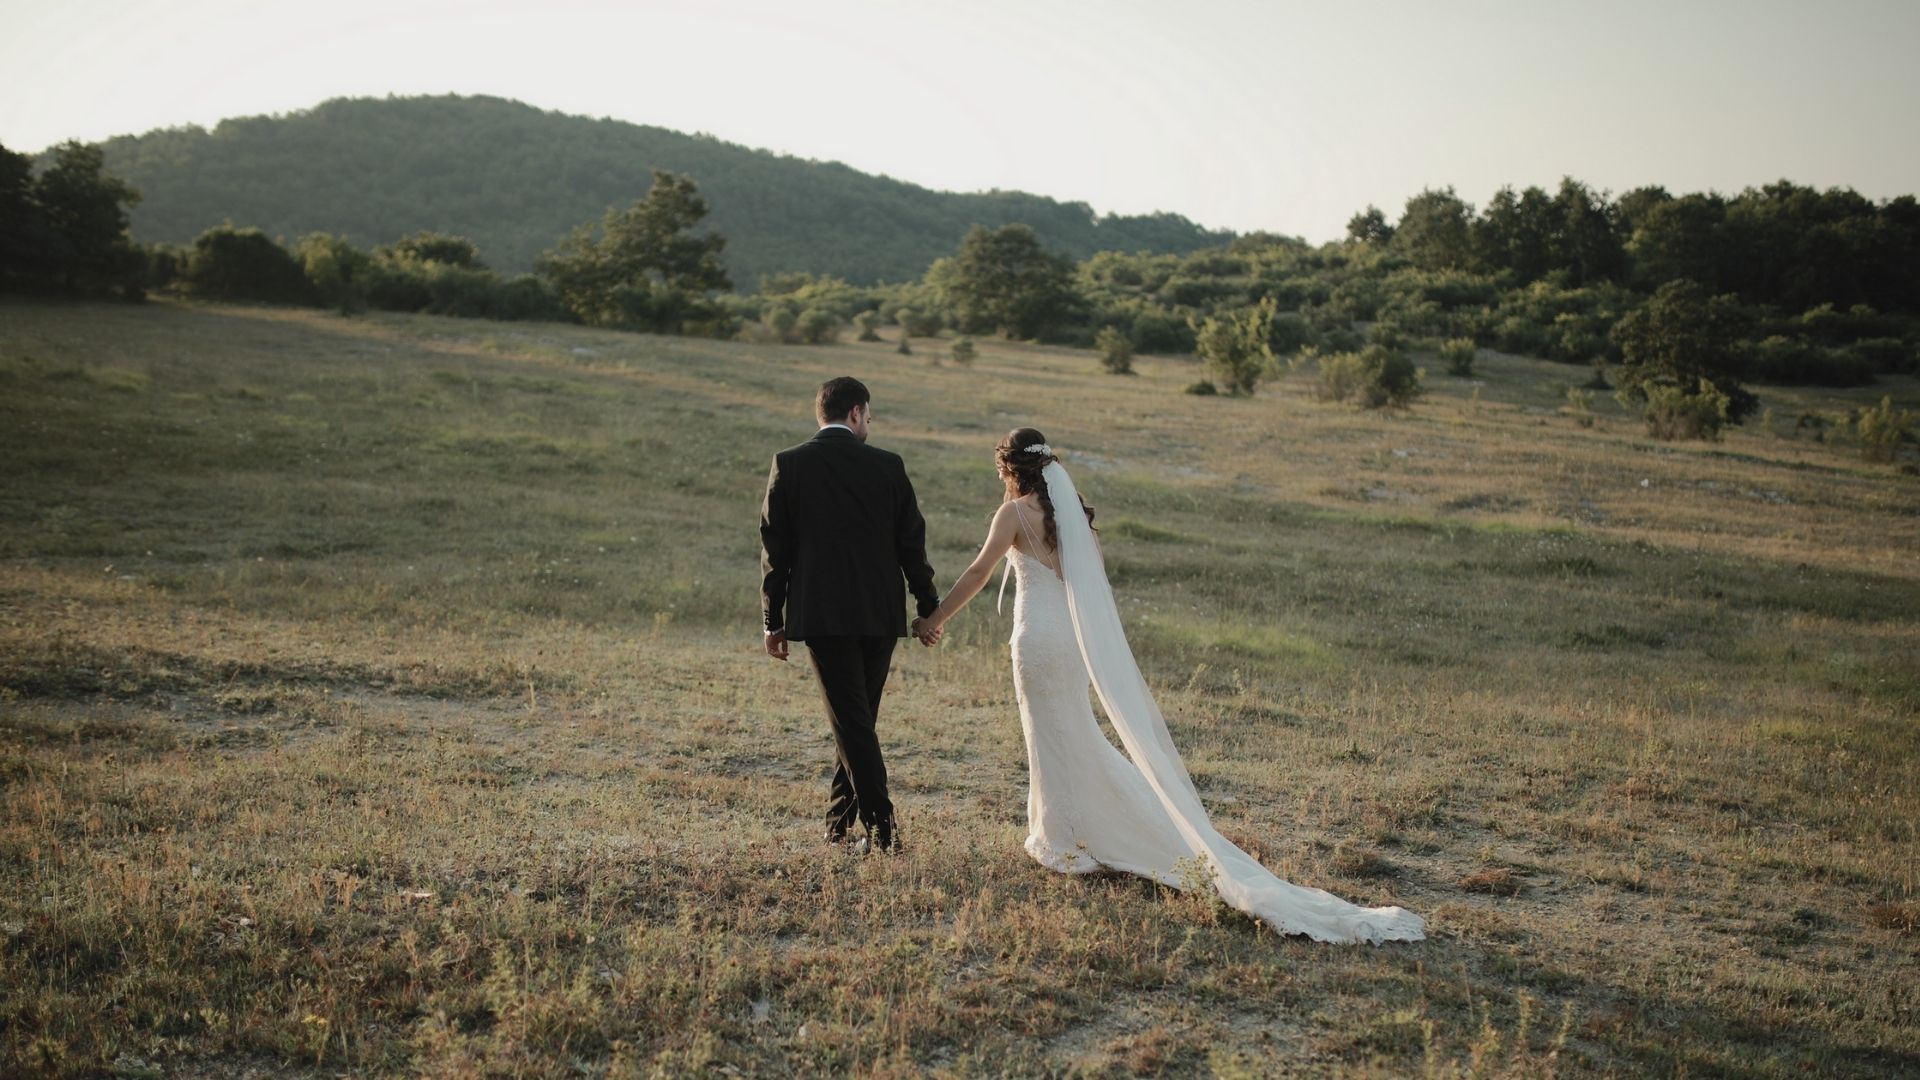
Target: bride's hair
[[1022, 472]]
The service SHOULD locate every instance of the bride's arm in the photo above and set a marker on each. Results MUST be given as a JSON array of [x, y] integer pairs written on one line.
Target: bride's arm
[[975, 577]]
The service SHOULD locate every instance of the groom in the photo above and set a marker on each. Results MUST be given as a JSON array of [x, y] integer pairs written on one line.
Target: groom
[[839, 528]]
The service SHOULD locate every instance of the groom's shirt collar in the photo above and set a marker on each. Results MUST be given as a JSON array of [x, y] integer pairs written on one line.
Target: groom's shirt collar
[[842, 427]]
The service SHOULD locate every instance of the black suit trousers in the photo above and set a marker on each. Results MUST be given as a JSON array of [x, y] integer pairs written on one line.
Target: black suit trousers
[[853, 674]]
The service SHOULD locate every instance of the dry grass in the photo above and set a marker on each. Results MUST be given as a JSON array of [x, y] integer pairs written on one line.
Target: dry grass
[[382, 695]]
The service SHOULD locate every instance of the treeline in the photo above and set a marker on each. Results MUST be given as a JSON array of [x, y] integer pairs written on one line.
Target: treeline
[[66, 228], [641, 268], [1684, 299], [1814, 287], [512, 178]]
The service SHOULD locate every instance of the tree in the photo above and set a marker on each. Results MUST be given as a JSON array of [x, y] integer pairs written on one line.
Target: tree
[[1369, 226], [1633, 207], [1515, 232], [434, 247], [1116, 350], [645, 270], [227, 263], [25, 242], [1002, 279], [1679, 238], [340, 271], [1585, 240], [1435, 232], [68, 226], [1682, 352], [1236, 347]]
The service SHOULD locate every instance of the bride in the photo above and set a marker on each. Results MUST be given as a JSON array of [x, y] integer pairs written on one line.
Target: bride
[[1088, 806]]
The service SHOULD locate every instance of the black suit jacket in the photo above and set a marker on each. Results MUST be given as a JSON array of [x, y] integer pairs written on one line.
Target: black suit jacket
[[839, 530]]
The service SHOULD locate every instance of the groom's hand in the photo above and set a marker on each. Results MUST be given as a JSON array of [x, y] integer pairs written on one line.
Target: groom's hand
[[777, 644], [925, 633]]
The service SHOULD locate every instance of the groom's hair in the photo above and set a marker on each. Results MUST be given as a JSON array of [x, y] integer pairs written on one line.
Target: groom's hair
[[838, 397]]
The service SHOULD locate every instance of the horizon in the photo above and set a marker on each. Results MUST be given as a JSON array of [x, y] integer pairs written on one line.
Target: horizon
[[1698, 106]]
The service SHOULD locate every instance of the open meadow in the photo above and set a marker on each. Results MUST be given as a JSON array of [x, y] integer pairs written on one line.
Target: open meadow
[[385, 695]]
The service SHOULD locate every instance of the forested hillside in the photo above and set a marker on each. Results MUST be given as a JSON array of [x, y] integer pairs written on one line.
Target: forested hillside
[[516, 179]]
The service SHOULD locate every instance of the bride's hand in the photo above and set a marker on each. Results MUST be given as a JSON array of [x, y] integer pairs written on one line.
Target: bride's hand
[[927, 632]]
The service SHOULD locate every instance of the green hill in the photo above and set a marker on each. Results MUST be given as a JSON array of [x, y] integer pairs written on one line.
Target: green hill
[[515, 178]]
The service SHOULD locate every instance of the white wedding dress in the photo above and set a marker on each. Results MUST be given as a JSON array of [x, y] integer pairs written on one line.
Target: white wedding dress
[[1088, 806]]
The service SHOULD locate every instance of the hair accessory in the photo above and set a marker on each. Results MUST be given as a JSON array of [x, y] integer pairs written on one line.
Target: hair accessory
[[1038, 448]]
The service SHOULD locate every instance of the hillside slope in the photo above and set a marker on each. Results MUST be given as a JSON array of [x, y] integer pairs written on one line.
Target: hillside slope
[[516, 178]]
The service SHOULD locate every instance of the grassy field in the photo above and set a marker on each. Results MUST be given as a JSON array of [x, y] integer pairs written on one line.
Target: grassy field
[[384, 695]]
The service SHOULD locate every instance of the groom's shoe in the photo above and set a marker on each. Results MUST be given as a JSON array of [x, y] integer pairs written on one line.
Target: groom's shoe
[[886, 836]]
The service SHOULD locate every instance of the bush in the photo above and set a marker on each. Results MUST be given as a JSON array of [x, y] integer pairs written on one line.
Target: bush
[[1882, 430], [1341, 375], [1342, 339], [865, 322], [1395, 381], [1234, 347], [1116, 351], [1825, 324], [1161, 332], [245, 264], [1289, 334], [1783, 359], [1580, 404], [1671, 412], [1388, 336], [819, 326], [1888, 355], [1203, 388], [1377, 376], [425, 247], [963, 351], [916, 323], [1521, 336], [1459, 354], [339, 271], [782, 322]]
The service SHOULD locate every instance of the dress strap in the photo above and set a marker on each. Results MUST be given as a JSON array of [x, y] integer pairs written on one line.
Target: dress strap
[[1025, 526], [1007, 570]]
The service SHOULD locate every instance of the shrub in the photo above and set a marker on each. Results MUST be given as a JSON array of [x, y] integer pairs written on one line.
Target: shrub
[[338, 270], [1388, 336], [916, 323], [1671, 412], [1791, 360], [1825, 324], [1580, 404], [1203, 388], [1376, 376], [1395, 381], [818, 326], [1342, 339], [1882, 430], [1161, 332], [1887, 355], [1235, 347], [1459, 354], [1520, 335], [245, 264], [865, 322], [1289, 334], [1116, 351], [425, 247], [782, 322], [962, 351], [1340, 376], [1682, 338]]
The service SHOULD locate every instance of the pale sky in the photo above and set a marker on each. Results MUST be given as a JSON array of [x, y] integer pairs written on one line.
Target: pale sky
[[1239, 114]]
